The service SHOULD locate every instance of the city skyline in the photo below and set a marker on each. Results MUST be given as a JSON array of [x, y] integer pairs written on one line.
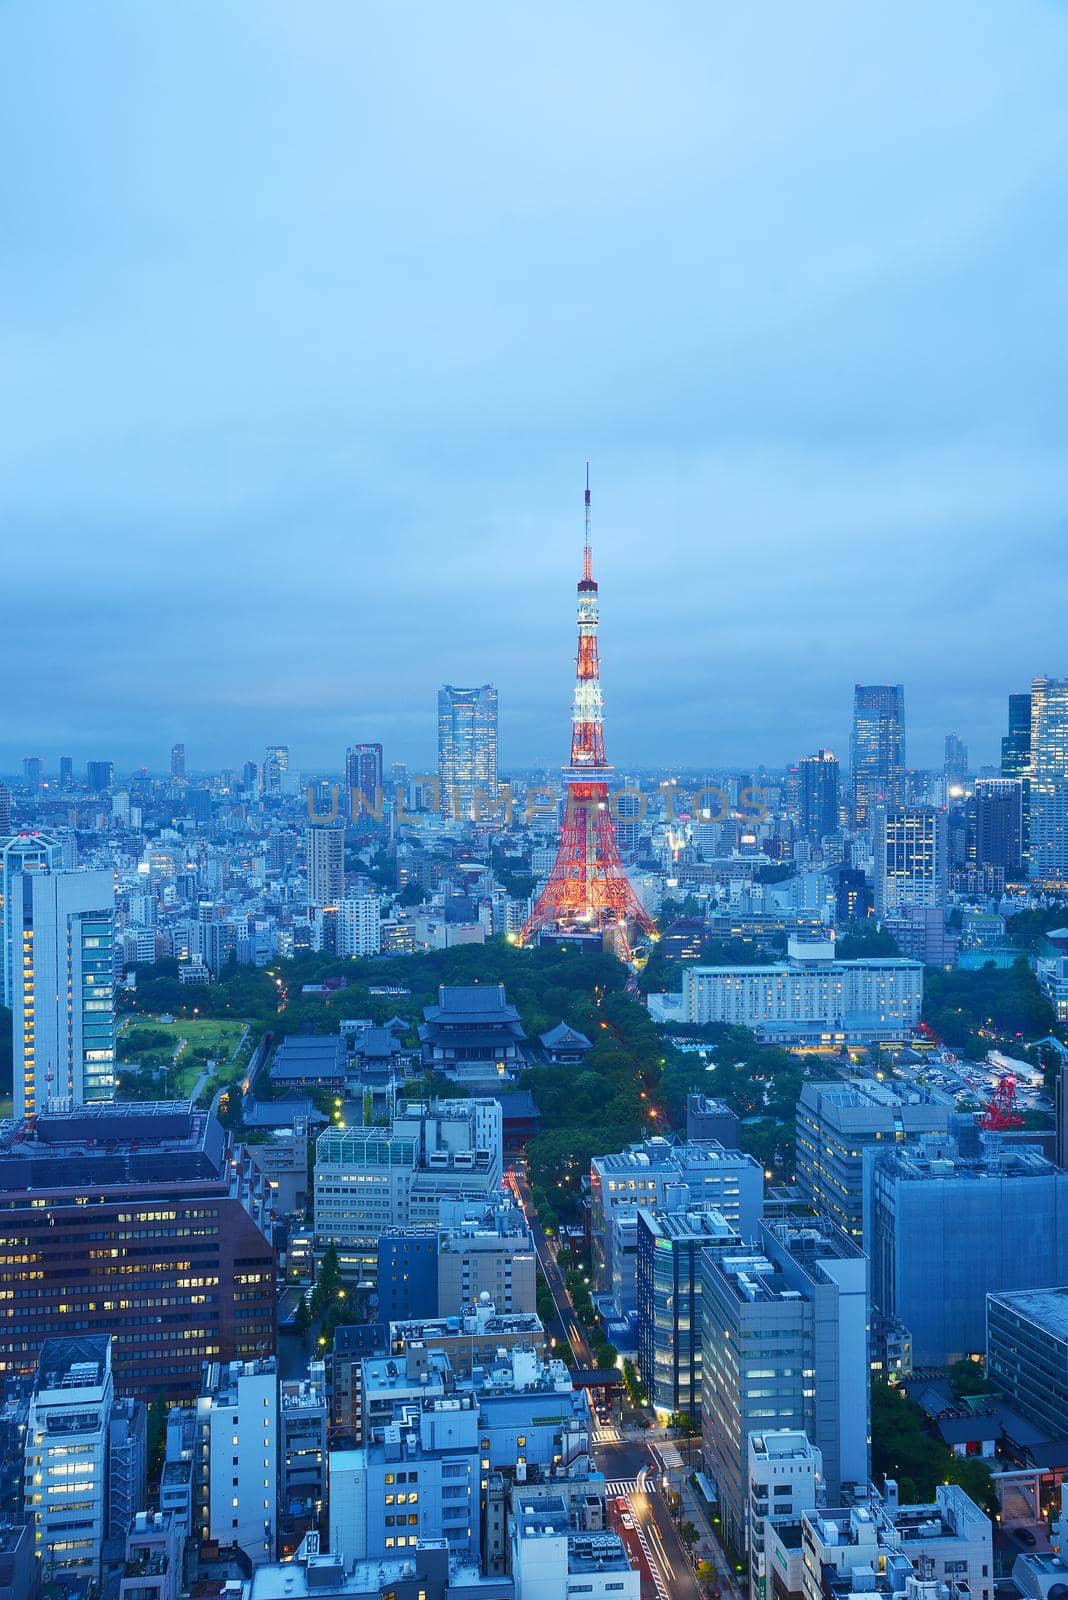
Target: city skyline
[[818, 455]]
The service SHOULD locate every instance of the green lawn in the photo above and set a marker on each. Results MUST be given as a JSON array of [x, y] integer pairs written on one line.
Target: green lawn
[[203, 1037]]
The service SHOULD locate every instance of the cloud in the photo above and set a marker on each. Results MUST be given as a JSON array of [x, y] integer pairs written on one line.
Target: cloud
[[312, 314]]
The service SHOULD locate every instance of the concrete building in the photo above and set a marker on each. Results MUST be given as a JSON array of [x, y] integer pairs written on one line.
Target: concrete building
[[20, 855], [669, 1250], [784, 1345], [127, 1464], [363, 780], [302, 1457], [62, 1000], [550, 1560], [368, 1180], [280, 1155], [325, 847], [785, 1478], [809, 998], [155, 1547], [359, 925], [426, 1571], [664, 1175], [911, 845], [417, 1478], [944, 1547], [485, 1250], [943, 1232], [1027, 1354], [354, 1343], [837, 1121], [407, 1273], [107, 1199], [67, 1456], [236, 1484], [472, 1340], [709, 1120]]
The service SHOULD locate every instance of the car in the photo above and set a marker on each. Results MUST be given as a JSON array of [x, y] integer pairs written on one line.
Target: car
[[628, 1521], [1025, 1536]]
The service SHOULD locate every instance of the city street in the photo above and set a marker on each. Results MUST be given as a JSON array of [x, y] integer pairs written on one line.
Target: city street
[[623, 1456]]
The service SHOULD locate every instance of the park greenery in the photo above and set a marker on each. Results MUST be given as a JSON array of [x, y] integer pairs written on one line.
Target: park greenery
[[902, 1448], [972, 1011]]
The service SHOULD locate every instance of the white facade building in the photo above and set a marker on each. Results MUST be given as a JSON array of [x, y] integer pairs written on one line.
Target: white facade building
[[66, 1455], [809, 996], [237, 1423], [785, 1478], [551, 1562], [359, 926], [61, 927]]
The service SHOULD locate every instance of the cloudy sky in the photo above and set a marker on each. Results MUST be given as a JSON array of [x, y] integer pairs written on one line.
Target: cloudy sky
[[311, 310]]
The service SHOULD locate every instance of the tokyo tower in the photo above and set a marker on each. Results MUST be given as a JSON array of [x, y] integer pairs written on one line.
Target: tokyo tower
[[588, 891]]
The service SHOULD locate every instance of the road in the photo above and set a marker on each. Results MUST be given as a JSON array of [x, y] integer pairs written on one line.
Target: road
[[570, 1325], [622, 1454]]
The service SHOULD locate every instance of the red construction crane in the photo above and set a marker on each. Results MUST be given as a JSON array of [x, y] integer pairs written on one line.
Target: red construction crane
[[1001, 1112]]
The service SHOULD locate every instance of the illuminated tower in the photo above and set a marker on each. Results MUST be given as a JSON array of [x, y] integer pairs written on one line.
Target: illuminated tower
[[588, 890]]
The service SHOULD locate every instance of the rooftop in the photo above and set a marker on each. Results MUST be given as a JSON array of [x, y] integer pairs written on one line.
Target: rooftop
[[78, 1363], [113, 1145], [704, 1224], [1047, 1307]]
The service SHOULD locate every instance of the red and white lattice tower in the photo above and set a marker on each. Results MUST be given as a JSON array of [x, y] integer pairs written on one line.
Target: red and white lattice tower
[[588, 890]]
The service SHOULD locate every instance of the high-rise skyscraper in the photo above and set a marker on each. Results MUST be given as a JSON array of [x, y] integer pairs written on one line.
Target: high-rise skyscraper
[[178, 761], [32, 767], [5, 810], [26, 852], [956, 764], [363, 778], [275, 766], [61, 929], [999, 824], [1016, 745], [818, 794], [66, 772], [467, 748], [877, 748], [1048, 800], [325, 845], [99, 775], [911, 858]]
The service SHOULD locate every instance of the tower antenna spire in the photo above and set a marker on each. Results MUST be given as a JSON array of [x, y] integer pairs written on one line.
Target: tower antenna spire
[[588, 895]]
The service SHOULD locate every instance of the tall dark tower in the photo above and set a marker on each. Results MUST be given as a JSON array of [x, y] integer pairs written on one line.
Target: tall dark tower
[[588, 890]]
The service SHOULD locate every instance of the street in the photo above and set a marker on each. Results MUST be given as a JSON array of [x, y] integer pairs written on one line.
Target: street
[[622, 1454]]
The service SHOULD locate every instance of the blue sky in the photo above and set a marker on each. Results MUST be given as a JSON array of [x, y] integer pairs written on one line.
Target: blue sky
[[310, 313]]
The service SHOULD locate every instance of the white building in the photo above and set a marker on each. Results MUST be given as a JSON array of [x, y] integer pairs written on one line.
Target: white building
[[237, 1424], [911, 857], [359, 926], [61, 928], [66, 1455], [551, 1562], [810, 996], [785, 1478]]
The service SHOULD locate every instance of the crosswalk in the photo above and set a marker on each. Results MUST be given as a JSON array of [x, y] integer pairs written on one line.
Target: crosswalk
[[618, 1487]]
